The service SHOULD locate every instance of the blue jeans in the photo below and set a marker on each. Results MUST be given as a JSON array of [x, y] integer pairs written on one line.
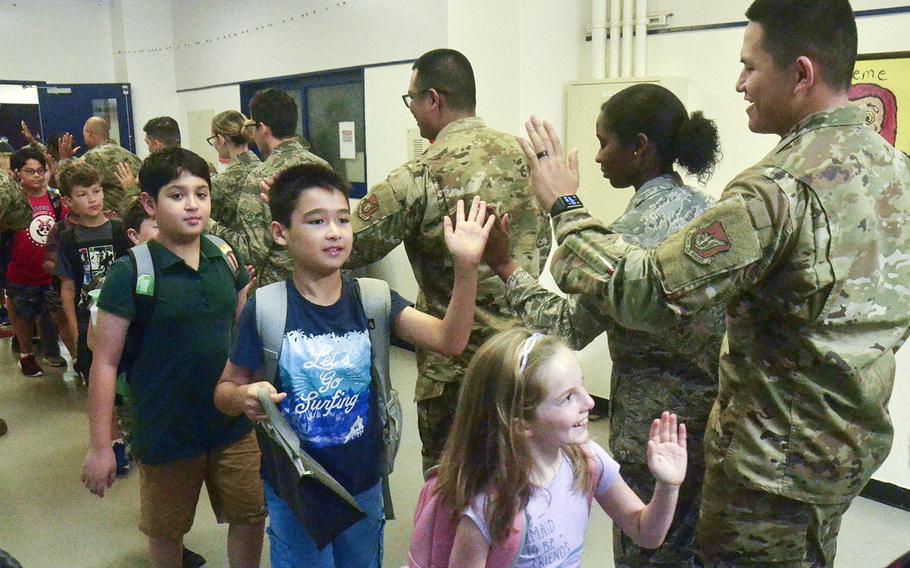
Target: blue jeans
[[358, 547]]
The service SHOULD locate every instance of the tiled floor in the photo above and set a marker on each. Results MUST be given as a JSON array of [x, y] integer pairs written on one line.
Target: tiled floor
[[48, 520]]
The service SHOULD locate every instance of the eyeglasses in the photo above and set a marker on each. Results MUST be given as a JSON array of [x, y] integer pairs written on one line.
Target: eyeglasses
[[407, 97], [31, 172], [211, 139]]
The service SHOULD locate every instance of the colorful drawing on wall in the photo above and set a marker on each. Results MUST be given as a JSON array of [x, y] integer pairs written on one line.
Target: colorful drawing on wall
[[881, 85]]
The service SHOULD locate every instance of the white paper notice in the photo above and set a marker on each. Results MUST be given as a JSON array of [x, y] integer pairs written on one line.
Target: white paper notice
[[346, 146]]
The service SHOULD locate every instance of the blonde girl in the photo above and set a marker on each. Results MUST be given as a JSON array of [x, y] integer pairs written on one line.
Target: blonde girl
[[230, 138], [520, 445]]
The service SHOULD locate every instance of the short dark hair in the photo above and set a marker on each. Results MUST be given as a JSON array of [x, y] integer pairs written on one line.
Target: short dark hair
[[824, 30], [449, 72], [135, 215], [277, 110], [293, 181], [656, 112], [163, 167], [76, 174], [163, 129], [19, 157]]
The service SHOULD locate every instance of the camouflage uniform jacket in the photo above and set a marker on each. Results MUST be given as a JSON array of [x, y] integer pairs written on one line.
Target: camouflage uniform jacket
[[253, 237], [467, 159], [227, 187], [104, 157], [15, 209], [810, 251], [674, 369]]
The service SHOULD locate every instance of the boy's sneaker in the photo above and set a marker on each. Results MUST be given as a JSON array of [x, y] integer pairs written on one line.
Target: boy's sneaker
[[192, 559], [123, 460], [55, 360], [29, 366]]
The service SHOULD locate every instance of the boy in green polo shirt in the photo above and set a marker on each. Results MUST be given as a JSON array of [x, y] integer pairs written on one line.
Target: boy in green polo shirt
[[182, 338]]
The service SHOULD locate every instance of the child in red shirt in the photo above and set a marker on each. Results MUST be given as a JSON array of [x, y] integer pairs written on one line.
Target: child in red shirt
[[30, 288]]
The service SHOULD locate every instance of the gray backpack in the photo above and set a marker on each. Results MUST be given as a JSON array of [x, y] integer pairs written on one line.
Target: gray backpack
[[374, 295]]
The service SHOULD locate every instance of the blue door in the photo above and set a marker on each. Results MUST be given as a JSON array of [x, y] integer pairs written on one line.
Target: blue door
[[66, 107]]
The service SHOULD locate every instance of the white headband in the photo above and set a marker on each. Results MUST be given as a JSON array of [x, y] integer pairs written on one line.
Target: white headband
[[526, 347]]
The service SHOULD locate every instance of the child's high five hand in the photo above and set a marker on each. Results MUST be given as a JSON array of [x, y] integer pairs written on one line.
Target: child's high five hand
[[667, 450], [466, 237]]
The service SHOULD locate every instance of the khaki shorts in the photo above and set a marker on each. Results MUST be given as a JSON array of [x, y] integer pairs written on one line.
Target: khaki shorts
[[168, 493]]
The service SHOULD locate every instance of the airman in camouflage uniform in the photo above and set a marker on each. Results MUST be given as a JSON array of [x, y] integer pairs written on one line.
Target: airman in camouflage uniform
[[252, 237], [104, 155], [669, 369], [810, 252], [227, 187], [466, 159], [15, 209], [272, 126]]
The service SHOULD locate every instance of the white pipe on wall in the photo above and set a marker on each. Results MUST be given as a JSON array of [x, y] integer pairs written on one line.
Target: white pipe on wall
[[598, 38], [615, 21], [628, 20], [641, 38]]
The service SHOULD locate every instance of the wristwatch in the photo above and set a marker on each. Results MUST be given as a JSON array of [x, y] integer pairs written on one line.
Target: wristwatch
[[565, 203]]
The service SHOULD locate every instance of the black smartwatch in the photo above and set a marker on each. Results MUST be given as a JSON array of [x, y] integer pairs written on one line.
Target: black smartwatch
[[565, 203]]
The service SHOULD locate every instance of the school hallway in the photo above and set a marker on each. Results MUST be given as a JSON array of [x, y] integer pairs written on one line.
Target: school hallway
[[49, 520]]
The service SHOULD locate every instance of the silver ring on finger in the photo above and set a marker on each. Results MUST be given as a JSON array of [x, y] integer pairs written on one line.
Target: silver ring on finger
[[542, 154]]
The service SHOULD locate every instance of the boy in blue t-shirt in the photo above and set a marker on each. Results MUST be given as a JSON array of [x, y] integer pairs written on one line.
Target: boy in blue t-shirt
[[324, 388]]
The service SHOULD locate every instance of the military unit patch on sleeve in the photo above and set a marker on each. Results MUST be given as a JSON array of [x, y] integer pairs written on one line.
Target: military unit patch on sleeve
[[704, 243], [369, 205]]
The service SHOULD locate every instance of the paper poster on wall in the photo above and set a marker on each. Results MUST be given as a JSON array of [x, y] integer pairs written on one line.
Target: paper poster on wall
[[881, 85], [346, 146]]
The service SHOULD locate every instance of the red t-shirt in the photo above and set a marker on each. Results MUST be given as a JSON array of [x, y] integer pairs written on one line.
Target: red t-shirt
[[25, 266]]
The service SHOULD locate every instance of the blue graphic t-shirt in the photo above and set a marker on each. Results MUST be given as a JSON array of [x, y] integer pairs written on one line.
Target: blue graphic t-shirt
[[325, 369]]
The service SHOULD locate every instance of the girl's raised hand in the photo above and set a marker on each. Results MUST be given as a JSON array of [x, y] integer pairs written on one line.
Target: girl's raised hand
[[667, 450], [466, 237]]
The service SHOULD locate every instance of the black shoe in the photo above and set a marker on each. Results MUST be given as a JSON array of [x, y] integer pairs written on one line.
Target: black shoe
[[192, 559]]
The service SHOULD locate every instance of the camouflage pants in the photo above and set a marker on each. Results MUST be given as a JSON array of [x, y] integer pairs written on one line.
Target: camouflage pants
[[676, 551], [741, 526], [434, 420]]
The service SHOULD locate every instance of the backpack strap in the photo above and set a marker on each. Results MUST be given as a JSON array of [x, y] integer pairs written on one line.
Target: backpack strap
[[271, 317], [226, 252], [376, 298], [145, 270], [56, 204]]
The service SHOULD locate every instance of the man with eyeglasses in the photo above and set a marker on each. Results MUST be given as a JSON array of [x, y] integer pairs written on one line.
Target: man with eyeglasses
[[466, 159]]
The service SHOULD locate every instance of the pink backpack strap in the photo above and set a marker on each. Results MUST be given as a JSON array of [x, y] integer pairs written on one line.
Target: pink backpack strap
[[434, 534], [434, 530], [505, 554]]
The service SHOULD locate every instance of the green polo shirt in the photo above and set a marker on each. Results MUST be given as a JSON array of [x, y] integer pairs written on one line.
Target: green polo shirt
[[181, 353]]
